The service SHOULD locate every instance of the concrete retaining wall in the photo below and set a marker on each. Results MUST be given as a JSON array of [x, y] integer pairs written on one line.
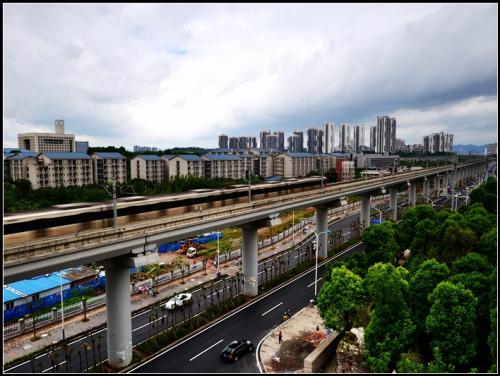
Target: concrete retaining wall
[[322, 354]]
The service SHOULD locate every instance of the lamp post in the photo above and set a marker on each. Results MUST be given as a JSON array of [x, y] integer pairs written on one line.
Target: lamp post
[[316, 269], [114, 202], [218, 252], [62, 307], [317, 251], [249, 186]]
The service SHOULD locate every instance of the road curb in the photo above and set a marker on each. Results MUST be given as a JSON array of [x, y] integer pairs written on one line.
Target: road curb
[[260, 364], [227, 314]]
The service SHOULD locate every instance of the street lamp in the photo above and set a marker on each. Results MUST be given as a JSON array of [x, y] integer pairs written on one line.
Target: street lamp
[[316, 269], [317, 250], [62, 307], [218, 252], [249, 185]]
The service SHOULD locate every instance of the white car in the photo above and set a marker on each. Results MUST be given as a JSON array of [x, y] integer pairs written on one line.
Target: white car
[[191, 252], [179, 300]]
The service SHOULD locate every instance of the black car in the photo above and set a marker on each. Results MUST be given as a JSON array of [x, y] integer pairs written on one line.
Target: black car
[[236, 349]]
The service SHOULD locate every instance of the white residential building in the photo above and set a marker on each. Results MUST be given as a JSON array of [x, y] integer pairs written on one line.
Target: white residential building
[[108, 165], [186, 165], [293, 165], [148, 167]]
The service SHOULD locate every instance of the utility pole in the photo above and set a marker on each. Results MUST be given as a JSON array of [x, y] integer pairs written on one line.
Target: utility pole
[[115, 217]]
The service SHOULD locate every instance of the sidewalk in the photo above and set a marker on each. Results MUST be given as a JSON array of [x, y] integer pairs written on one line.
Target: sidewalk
[[300, 338], [22, 345], [299, 333]]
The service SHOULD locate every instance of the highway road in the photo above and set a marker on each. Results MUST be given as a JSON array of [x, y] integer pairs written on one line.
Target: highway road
[[201, 353], [141, 322]]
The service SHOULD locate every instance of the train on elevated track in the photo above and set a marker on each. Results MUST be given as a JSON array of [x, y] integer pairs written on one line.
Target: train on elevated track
[[68, 219], [73, 218]]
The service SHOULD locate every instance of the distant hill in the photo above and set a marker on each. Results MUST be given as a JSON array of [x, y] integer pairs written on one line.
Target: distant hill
[[466, 149]]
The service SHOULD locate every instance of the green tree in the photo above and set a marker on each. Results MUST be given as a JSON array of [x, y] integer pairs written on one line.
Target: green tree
[[380, 244], [457, 242], [390, 329], [180, 263], [487, 245], [153, 271], [479, 284], [410, 218], [478, 219], [410, 363], [492, 339], [429, 274], [450, 323], [340, 299], [485, 195], [471, 262], [424, 238]]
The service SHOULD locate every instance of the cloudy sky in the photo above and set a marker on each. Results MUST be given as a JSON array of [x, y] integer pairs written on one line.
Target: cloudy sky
[[169, 75]]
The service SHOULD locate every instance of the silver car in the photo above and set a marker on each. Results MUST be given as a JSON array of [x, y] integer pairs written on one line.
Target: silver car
[[179, 300]]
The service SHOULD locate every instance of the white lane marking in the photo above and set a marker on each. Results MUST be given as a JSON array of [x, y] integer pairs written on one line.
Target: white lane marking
[[204, 351], [319, 279], [269, 310], [245, 307], [48, 369]]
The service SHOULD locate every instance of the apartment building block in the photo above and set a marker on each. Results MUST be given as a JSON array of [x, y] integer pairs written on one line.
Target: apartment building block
[[108, 165]]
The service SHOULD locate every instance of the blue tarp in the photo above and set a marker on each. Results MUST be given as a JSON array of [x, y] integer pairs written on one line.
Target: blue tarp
[[376, 221], [201, 239]]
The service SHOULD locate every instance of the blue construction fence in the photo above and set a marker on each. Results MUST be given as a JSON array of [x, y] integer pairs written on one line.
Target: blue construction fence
[[52, 300], [172, 247], [200, 239]]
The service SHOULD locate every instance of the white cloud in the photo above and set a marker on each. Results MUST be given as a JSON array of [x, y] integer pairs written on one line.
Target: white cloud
[[469, 119], [177, 75]]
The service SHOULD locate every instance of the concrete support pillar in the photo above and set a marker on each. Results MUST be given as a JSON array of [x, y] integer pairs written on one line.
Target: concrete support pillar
[[412, 193], [437, 179], [249, 259], [365, 211], [321, 228], [118, 312], [445, 183], [393, 202], [426, 188], [453, 185]]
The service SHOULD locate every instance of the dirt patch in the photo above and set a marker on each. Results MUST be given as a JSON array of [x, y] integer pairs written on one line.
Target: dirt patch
[[291, 355]]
